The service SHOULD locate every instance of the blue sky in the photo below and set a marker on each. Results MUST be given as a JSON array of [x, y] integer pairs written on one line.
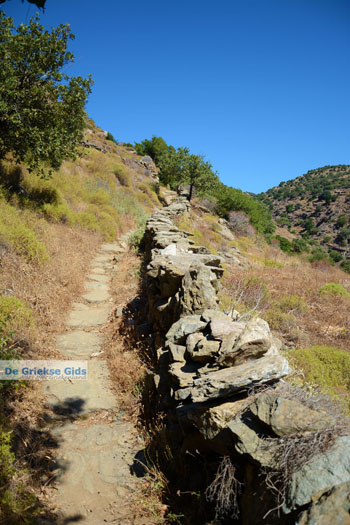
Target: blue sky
[[260, 87]]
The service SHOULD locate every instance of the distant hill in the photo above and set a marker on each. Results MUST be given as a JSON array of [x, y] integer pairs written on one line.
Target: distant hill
[[315, 206]]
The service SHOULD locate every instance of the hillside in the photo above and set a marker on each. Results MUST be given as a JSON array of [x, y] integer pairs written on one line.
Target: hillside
[[316, 206], [50, 230]]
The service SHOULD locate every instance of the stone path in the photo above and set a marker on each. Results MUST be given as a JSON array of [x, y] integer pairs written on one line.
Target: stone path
[[96, 448]]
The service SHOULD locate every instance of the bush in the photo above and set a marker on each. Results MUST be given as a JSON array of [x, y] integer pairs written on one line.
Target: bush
[[318, 254], [136, 239], [283, 311], [15, 316], [334, 289], [335, 256], [325, 366], [345, 265], [285, 244]]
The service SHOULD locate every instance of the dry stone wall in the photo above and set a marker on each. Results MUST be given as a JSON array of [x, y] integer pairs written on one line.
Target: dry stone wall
[[208, 365]]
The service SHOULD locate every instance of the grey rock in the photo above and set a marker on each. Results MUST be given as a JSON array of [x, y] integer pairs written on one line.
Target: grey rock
[[330, 507], [204, 350], [198, 290], [247, 441], [226, 330], [227, 381], [252, 343], [183, 374], [328, 469], [176, 352], [287, 417], [183, 327]]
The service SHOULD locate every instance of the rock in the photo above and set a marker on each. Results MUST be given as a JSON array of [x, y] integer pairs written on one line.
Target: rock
[[323, 470], [286, 417], [192, 341], [211, 315], [198, 290], [177, 352], [247, 441], [332, 506], [227, 331], [252, 343], [119, 312], [204, 350], [210, 421], [183, 374], [228, 381], [183, 327]]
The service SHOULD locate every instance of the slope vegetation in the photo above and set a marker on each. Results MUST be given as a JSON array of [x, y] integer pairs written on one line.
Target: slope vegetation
[[316, 206]]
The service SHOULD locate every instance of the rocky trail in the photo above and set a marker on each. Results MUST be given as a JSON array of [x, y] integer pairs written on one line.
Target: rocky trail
[[96, 447]]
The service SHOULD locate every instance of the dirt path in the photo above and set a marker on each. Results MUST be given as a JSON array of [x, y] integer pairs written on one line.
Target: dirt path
[[96, 448]]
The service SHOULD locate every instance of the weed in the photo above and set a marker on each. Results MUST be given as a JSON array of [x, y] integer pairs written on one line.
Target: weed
[[224, 490]]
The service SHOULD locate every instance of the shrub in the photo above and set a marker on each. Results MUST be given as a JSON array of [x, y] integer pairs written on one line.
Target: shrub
[[15, 316], [123, 175], [345, 265], [136, 239], [326, 366], [335, 256], [334, 289], [285, 244], [318, 254], [110, 137], [283, 311], [23, 240]]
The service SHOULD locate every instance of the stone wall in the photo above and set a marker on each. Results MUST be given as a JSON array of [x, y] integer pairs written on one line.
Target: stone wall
[[210, 366]]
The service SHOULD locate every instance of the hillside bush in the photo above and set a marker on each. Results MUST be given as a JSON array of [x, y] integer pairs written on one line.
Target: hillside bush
[[334, 289], [21, 238], [325, 366], [15, 316], [345, 265]]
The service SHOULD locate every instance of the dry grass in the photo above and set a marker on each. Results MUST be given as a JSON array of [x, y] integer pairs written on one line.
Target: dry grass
[[326, 321], [120, 346]]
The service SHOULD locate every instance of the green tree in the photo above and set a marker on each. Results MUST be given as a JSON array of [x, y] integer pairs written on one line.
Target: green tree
[[181, 167], [155, 148], [42, 114]]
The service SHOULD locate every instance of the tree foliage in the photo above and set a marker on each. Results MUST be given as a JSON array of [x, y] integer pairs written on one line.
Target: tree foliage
[[42, 115], [180, 166]]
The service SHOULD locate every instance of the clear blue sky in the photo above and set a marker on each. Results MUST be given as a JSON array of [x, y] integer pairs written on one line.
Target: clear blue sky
[[260, 87]]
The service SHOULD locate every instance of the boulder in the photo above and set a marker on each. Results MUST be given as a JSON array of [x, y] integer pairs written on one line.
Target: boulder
[[204, 350], [247, 441], [198, 290], [216, 315], [252, 343], [176, 353], [183, 327], [287, 417], [323, 470], [226, 330], [228, 381], [331, 506], [183, 374]]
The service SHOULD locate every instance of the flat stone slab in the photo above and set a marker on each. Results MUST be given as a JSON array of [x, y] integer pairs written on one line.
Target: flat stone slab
[[88, 317], [98, 278], [103, 258], [97, 296], [99, 270], [81, 396], [91, 286], [93, 471], [78, 344], [112, 248]]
